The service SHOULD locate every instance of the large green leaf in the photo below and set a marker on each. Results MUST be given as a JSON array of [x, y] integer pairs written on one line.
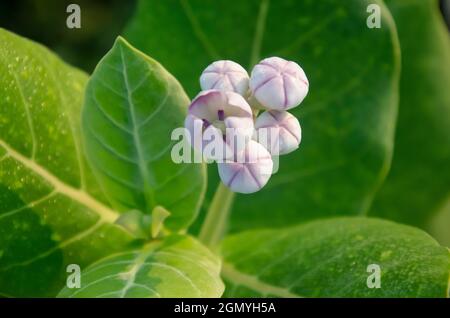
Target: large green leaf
[[419, 182], [51, 212], [348, 118], [132, 106], [329, 258], [178, 266]]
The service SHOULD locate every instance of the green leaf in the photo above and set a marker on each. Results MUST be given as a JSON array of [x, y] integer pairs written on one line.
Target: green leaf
[[418, 183], [51, 209], [348, 118], [178, 266], [132, 106], [438, 227], [329, 258]]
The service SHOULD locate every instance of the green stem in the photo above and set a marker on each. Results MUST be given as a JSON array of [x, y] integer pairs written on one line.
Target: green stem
[[213, 228]]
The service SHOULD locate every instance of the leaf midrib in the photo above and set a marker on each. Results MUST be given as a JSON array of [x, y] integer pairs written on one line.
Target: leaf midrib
[[229, 272], [148, 192], [259, 32], [198, 32], [134, 267], [104, 212]]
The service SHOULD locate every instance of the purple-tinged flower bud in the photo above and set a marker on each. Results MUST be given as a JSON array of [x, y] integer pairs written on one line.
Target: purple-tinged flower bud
[[278, 131], [249, 170], [278, 84], [226, 76], [215, 116]]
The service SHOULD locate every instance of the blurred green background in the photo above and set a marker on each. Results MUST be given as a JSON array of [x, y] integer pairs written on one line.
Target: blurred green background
[[45, 22], [372, 102], [101, 21]]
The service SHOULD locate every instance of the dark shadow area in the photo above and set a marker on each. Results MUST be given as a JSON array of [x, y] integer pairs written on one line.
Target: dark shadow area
[[445, 8], [45, 22], [101, 22]]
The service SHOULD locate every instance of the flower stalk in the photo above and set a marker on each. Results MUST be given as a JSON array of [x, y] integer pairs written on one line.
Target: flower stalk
[[214, 226]]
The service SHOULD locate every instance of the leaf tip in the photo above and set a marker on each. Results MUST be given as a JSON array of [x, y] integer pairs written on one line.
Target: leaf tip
[[159, 214]]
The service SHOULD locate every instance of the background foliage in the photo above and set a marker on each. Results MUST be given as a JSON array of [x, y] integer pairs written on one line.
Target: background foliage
[[376, 143], [349, 119]]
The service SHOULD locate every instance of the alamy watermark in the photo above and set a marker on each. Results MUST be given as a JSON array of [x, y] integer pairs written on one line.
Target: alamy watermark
[[374, 279], [374, 19], [213, 146], [73, 20], [74, 277]]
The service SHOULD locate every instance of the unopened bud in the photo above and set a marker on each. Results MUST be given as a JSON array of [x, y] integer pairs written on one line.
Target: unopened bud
[[225, 76], [212, 114], [278, 131], [249, 171], [278, 84]]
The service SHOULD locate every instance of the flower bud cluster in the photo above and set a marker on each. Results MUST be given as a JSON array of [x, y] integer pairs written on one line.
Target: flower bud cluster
[[222, 119]]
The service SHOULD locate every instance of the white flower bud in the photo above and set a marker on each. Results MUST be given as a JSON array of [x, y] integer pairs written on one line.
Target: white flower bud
[[211, 117], [249, 170], [226, 76], [278, 131], [278, 84]]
